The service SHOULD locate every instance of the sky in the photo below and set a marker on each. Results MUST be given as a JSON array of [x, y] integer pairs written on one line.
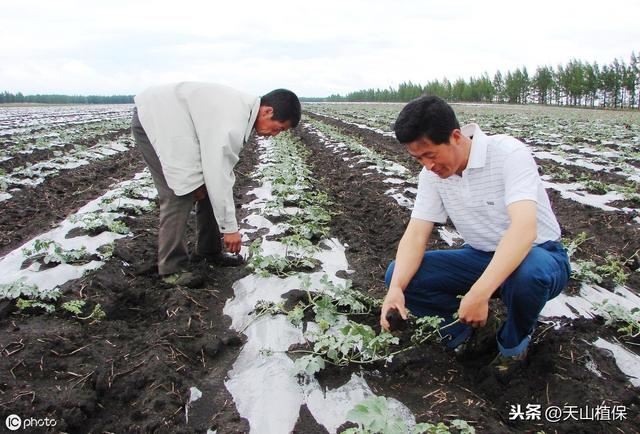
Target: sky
[[316, 48]]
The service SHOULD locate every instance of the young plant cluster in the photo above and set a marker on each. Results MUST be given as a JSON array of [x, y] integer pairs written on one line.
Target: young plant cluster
[[17, 288], [34, 173], [96, 221], [29, 297], [62, 135], [302, 211], [131, 199], [50, 252], [627, 321], [614, 267], [558, 173], [629, 190], [337, 339], [374, 416]]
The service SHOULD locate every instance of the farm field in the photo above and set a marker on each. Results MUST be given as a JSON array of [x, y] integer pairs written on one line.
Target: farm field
[[93, 340]]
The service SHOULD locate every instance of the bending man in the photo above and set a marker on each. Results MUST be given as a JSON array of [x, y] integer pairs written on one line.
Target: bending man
[[190, 135]]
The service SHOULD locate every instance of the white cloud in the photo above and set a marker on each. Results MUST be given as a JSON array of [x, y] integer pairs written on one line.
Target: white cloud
[[119, 46]]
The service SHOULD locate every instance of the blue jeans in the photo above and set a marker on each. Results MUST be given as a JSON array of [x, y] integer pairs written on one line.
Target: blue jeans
[[446, 274]]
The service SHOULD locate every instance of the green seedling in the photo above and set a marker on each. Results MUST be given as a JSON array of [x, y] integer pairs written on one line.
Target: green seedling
[[374, 416], [52, 252], [627, 321], [23, 304], [614, 267], [585, 271], [75, 307], [97, 220], [572, 245], [17, 288]]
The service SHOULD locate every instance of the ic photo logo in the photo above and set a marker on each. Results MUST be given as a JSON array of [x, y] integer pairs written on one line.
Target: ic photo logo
[[13, 422]]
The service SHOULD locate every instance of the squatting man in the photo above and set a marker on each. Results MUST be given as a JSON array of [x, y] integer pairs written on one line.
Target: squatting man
[[490, 189], [190, 135]]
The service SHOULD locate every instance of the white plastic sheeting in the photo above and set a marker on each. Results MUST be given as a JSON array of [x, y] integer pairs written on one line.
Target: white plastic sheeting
[[263, 382]]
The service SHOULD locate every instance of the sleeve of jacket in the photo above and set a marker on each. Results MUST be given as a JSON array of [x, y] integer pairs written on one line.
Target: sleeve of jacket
[[220, 129]]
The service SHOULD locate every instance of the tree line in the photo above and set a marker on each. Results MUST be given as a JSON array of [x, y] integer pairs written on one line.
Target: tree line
[[577, 83], [6, 97]]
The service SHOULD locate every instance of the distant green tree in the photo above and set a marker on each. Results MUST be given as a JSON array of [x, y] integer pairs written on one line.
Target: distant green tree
[[437, 89], [542, 83], [591, 82], [525, 86], [486, 91], [634, 65], [409, 91], [629, 81], [576, 83], [498, 85], [7, 97], [611, 84], [516, 86], [458, 89]]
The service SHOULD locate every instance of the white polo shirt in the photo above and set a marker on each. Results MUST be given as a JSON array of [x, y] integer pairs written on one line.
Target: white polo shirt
[[500, 171]]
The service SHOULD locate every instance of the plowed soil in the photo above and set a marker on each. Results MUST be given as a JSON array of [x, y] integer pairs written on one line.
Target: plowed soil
[[132, 371]]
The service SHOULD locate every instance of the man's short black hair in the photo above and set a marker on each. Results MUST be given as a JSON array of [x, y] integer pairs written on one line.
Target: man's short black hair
[[428, 116], [285, 104]]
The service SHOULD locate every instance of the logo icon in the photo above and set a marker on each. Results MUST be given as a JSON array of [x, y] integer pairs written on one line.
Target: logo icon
[[13, 422]]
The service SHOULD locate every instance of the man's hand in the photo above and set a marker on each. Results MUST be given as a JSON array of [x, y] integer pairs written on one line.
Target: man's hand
[[200, 193], [474, 309], [394, 300], [233, 242]]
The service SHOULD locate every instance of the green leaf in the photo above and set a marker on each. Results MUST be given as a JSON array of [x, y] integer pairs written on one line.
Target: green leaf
[[463, 426], [22, 304], [309, 364], [296, 314], [74, 306]]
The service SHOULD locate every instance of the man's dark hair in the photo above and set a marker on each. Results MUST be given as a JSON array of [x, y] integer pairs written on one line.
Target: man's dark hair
[[428, 116], [285, 104]]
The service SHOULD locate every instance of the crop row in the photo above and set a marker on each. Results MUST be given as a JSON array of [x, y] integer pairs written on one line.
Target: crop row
[[601, 141], [35, 174], [402, 181], [285, 258], [612, 265], [606, 304], [603, 189], [34, 272], [61, 138], [606, 129], [21, 120]]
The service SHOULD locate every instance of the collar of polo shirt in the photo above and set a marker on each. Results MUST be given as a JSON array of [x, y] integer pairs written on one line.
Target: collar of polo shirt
[[478, 153]]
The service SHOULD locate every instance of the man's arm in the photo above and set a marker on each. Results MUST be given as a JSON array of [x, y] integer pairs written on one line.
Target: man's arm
[[511, 251], [408, 259], [219, 115]]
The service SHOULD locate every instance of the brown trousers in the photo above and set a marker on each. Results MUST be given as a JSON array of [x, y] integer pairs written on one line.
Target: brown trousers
[[173, 254]]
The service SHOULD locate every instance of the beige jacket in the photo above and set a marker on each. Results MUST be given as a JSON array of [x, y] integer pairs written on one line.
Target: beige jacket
[[198, 130]]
